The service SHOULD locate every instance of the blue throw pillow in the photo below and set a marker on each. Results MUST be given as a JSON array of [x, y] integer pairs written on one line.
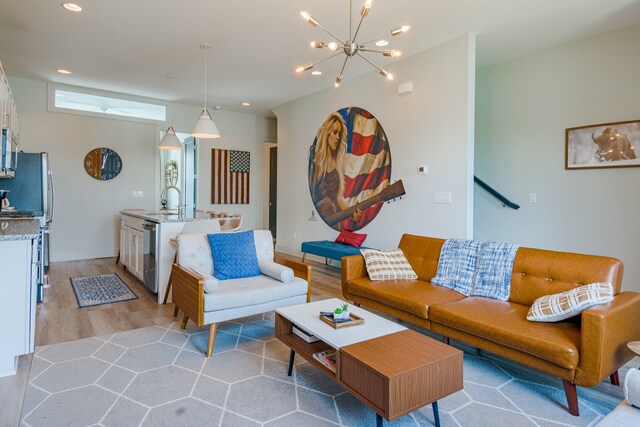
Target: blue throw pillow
[[234, 255]]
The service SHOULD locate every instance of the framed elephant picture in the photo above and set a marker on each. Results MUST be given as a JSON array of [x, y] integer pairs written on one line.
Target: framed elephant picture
[[606, 145]]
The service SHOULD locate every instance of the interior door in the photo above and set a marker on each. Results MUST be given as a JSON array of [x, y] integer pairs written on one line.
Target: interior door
[[273, 189]]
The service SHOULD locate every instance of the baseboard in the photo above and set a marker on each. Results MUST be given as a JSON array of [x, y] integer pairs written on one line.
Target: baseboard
[[60, 256]]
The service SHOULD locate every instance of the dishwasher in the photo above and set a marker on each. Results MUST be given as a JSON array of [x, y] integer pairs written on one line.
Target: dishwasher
[[150, 250]]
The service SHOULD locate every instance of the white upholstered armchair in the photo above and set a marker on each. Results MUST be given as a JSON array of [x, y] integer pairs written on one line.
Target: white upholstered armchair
[[207, 301]]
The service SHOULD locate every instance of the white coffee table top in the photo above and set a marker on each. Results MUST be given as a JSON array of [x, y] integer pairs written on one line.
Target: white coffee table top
[[306, 316]]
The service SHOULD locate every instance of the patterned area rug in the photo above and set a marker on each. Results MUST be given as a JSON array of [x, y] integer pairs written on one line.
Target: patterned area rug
[[158, 376], [100, 289]]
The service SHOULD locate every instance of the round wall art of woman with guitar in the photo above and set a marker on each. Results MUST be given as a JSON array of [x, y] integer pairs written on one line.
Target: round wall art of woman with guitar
[[350, 169]]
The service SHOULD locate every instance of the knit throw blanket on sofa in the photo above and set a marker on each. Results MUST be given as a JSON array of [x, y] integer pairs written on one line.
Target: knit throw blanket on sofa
[[476, 268]]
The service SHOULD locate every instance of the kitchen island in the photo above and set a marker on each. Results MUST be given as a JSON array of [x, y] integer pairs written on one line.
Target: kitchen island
[[146, 247], [18, 263]]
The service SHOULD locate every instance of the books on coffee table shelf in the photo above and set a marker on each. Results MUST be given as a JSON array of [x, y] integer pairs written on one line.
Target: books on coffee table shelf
[[308, 337], [327, 358]]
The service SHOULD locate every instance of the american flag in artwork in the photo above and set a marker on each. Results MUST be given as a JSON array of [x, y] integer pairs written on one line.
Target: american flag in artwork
[[367, 163], [230, 171]]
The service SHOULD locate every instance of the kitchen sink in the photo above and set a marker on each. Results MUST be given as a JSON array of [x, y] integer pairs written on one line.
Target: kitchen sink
[[161, 213]]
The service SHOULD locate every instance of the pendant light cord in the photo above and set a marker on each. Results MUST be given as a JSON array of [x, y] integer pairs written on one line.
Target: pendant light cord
[[205, 79]]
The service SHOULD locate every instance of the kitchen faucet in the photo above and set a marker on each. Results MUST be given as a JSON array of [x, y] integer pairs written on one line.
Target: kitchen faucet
[[162, 197]]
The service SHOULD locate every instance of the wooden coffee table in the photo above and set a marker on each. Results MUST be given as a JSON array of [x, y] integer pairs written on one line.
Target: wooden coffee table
[[388, 367]]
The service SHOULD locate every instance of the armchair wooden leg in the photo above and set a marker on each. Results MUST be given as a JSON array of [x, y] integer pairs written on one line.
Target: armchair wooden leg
[[213, 328], [175, 311], [166, 292], [572, 397], [185, 319], [615, 378], [445, 340]]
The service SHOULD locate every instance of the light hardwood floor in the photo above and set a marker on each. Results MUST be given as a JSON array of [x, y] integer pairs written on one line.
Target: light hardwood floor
[[59, 319]]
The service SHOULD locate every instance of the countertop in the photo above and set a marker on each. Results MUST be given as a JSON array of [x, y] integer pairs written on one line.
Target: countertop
[[19, 229], [168, 216]]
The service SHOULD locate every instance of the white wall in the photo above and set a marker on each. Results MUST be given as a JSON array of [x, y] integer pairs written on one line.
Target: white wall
[[432, 126], [239, 131], [523, 108], [87, 220]]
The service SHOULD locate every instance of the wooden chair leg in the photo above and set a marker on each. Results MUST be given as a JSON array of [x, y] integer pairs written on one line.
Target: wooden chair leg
[[166, 292], [175, 311], [185, 319], [572, 397], [118, 258], [213, 328], [445, 340], [615, 378]]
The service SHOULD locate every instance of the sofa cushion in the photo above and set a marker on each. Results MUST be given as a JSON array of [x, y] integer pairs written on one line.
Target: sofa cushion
[[412, 296], [264, 244], [423, 254], [387, 265], [506, 324], [553, 308], [249, 291], [194, 251], [538, 272]]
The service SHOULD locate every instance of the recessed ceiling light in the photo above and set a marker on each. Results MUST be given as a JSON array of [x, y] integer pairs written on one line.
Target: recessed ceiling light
[[246, 104], [72, 7], [316, 73], [381, 43], [63, 71]]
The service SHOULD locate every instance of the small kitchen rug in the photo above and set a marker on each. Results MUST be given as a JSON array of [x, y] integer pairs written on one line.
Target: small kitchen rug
[[100, 289]]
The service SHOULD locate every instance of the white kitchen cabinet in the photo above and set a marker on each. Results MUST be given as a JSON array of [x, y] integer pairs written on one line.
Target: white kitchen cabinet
[[18, 263], [132, 245], [8, 110]]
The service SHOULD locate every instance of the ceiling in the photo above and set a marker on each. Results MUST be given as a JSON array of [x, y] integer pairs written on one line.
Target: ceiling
[[132, 46]]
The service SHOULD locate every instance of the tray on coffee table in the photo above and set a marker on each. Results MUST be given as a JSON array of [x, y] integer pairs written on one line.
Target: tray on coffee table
[[354, 321]]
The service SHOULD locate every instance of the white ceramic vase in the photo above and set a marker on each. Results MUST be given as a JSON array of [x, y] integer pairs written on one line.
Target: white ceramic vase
[[343, 315]]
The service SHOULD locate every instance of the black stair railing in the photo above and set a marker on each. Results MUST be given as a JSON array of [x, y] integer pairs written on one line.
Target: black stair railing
[[505, 202]]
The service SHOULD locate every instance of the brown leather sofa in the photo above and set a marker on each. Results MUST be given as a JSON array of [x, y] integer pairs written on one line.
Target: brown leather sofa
[[583, 350]]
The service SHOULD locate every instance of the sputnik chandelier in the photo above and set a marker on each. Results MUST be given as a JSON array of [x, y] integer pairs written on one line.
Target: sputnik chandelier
[[351, 47]]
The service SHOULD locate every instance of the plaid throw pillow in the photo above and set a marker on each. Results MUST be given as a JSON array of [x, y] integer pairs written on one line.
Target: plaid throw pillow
[[553, 308], [387, 265]]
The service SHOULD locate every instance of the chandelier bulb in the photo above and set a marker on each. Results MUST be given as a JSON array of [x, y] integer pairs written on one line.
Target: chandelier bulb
[[385, 74], [333, 46], [317, 45], [392, 53], [400, 30], [338, 81], [304, 68], [309, 19], [365, 8]]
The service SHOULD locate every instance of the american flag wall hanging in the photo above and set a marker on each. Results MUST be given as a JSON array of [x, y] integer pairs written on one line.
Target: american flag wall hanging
[[230, 170]]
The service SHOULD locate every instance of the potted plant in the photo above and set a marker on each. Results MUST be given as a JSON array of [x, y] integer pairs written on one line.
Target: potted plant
[[342, 312]]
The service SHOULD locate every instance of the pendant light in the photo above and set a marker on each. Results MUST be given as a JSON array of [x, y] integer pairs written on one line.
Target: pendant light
[[170, 141], [205, 127]]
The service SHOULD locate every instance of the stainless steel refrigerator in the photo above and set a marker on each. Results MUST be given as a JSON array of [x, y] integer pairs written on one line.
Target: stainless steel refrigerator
[[32, 190]]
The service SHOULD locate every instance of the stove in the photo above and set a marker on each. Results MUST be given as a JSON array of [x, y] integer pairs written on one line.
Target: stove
[[17, 214]]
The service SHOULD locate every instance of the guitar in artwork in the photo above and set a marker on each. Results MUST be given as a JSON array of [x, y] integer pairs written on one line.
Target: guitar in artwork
[[393, 191]]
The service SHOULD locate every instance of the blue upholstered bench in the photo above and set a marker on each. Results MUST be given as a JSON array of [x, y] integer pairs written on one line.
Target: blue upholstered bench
[[328, 249]]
